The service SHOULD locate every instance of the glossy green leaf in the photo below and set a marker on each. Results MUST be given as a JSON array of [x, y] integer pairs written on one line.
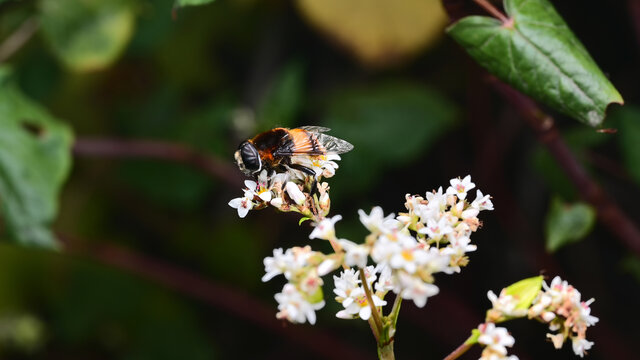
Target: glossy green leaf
[[536, 53], [181, 3], [87, 35], [567, 223], [525, 291], [35, 159], [629, 133]]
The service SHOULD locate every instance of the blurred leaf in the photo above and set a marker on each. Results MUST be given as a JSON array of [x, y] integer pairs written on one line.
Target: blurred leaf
[[567, 223], [629, 132], [87, 35], [283, 100], [378, 32], [35, 159], [538, 54], [180, 3], [525, 291], [390, 125], [631, 264]]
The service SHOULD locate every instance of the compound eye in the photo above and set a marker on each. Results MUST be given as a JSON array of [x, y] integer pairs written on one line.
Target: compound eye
[[250, 156]]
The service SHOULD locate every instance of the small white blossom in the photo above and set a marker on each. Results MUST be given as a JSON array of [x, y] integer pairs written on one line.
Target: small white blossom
[[437, 229], [375, 222], [580, 346], [295, 193], [294, 307], [325, 229], [359, 305], [355, 255], [413, 288], [495, 338], [345, 284], [243, 204], [460, 187], [505, 304], [278, 264], [482, 202]]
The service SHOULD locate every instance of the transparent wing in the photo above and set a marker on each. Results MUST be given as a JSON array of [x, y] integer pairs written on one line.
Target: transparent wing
[[314, 129], [333, 145]]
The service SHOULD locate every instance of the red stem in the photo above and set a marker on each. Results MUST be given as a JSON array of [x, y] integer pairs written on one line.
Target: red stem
[[160, 150]]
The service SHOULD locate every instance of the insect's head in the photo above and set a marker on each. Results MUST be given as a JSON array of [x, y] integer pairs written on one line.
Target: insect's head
[[248, 158]]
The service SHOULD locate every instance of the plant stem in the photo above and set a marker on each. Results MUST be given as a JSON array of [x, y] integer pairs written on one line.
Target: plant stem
[[492, 10], [18, 38], [459, 351], [395, 311], [386, 352], [374, 311]]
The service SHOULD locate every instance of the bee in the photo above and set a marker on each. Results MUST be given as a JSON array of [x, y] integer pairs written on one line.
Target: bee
[[276, 149]]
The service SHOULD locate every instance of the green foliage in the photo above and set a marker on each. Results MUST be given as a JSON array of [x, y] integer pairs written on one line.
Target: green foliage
[[390, 125], [283, 100], [567, 223], [629, 133], [537, 53], [525, 291], [34, 162], [181, 3], [87, 35]]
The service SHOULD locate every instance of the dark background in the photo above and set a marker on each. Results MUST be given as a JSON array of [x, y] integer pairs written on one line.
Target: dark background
[[156, 265]]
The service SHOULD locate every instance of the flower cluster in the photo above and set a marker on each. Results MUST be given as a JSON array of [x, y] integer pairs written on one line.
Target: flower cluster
[[303, 268], [495, 340], [432, 236], [560, 306], [288, 191]]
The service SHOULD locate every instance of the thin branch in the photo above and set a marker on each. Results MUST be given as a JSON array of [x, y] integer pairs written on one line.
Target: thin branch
[[459, 351], [18, 38], [160, 150], [486, 5], [219, 296], [609, 213], [374, 310]]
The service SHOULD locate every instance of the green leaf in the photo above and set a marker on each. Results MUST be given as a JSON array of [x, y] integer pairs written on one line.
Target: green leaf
[[303, 220], [525, 291], [390, 125], [35, 159], [87, 35], [566, 223], [283, 100], [536, 53], [181, 3], [629, 132]]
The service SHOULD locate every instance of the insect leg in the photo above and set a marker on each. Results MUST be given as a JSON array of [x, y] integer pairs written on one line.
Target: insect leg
[[309, 172]]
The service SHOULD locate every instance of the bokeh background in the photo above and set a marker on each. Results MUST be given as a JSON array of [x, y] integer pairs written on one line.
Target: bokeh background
[[155, 265]]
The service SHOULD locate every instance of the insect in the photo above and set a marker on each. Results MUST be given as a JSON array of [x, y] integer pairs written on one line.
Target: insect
[[277, 149]]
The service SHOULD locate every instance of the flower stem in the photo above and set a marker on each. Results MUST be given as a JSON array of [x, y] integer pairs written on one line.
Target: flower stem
[[459, 351], [492, 10], [374, 311], [386, 352], [395, 311]]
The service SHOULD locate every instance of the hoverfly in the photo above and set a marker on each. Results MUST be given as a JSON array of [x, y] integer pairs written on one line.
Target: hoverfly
[[277, 150]]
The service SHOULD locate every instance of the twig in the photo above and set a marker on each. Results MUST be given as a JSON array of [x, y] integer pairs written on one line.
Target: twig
[[608, 212], [219, 296], [492, 10], [459, 351], [18, 38], [147, 149], [374, 310]]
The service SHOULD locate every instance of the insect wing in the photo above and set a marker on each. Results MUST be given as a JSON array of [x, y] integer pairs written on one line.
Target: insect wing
[[314, 129], [333, 145]]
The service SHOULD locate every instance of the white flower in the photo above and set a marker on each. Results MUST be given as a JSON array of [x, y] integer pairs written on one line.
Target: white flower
[[294, 307], [585, 313], [325, 228], [295, 194], [482, 202], [580, 346], [243, 204], [375, 221], [278, 264], [356, 255], [409, 258], [385, 280], [359, 305], [437, 229], [460, 187], [413, 288], [495, 338], [345, 284]]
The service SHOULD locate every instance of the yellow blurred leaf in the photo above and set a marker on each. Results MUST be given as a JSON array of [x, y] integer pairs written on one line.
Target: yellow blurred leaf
[[378, 32]]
